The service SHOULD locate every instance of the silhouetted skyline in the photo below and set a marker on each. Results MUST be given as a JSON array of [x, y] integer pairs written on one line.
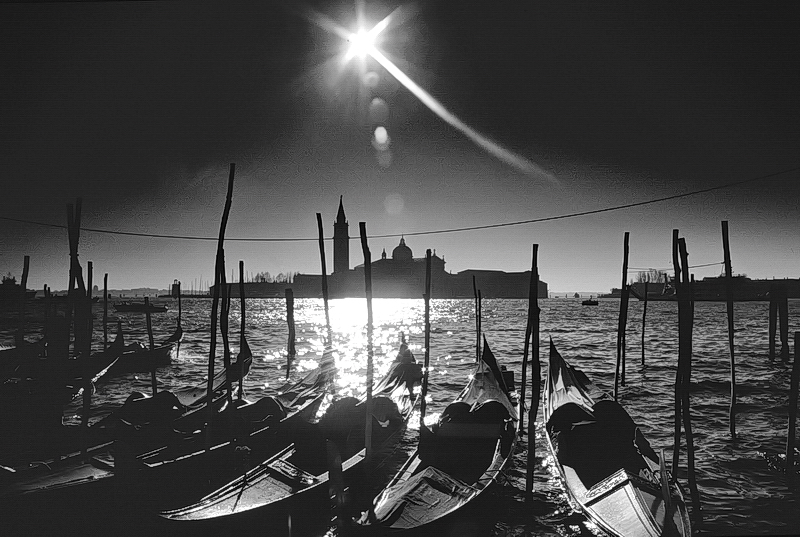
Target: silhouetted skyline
[[139, 107]]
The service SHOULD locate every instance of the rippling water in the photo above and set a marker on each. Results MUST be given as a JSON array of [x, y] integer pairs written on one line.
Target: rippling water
[[739, 493]]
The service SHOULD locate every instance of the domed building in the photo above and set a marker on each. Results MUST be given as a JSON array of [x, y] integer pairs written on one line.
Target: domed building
[[403, 276], [402, 253]]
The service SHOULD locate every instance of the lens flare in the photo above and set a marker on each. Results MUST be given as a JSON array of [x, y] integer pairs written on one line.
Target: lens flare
[[365, 42]]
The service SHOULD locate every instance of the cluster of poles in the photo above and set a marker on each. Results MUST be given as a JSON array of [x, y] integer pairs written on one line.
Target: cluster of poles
[[684, 281], [79, 315]]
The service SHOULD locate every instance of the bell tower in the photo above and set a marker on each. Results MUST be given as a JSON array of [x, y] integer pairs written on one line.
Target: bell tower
[[341, 242]]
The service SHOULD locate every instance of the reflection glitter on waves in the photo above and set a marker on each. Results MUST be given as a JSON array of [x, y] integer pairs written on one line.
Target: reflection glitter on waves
[[740, 494]]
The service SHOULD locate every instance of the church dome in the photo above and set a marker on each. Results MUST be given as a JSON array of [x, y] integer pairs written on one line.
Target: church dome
[[402, 252]]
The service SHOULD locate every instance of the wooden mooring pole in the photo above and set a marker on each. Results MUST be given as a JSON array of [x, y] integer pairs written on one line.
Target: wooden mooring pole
[[726, 252], [783, 321], [676, 442], [526, 347], [773, 319], [291, 351], [686, 321], [153, 382], [644, 317], [368, 291], [20, 339], [220, 265], [536, 372], [105, 311], [324, 279], [477, 320], [427, 298], [244, 348], [790, 433], [224, 328], [623, 306]]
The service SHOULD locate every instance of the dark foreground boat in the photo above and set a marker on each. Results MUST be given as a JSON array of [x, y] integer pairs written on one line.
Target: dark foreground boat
[[293, 485], [117, 482], [456, 461], [607, 465]]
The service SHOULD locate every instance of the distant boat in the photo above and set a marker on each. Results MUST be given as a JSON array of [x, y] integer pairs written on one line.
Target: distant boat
[[10, 289], [139, 307], [591, 301], [576, 295]]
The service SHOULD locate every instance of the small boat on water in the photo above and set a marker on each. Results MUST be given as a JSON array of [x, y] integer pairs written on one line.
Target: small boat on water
[[607, 465], [591, 301], [10, 290], [140, 307], [457, 460]]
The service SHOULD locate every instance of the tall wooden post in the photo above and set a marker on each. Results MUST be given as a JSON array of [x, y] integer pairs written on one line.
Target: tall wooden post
[[244, 348], [532, 294], [324, 278], [105, 311], [726, 252], [477, 320], [625, 299], [23, 291], [179, 328], [220, 265], [790, 433], [291, 352], [644, 317], [427, 298], [622, 314], [783, 314], [536, 374], [224, 328], [676, 445], [773, 319], [368, 289], [686, 322], [153, 382]]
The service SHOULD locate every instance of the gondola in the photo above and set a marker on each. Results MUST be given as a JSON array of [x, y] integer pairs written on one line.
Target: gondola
[[172, 475], [157, 420], [606, 463], [34, 395], [457, 460], [293, 483]]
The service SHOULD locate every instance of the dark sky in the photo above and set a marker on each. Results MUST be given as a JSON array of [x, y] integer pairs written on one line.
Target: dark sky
[[139, 107]]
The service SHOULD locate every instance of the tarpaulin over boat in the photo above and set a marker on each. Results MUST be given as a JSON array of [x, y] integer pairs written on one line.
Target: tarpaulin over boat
[[488, 386], [312, 383], [569, 385], [422, 498]]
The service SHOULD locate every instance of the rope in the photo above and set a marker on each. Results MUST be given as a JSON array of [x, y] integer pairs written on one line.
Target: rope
[[418, 233]]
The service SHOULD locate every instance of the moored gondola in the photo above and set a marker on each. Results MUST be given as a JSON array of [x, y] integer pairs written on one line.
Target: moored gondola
[[294, 483], [607, 465], [457, 460]]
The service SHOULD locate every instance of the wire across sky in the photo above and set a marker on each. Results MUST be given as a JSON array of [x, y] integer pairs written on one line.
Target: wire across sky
[[430, 232]]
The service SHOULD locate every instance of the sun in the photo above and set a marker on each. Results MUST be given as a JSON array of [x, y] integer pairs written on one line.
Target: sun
[[361, 44]]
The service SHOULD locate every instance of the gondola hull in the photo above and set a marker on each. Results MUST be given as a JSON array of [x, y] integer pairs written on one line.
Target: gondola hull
[[456, 463], [607, 465]]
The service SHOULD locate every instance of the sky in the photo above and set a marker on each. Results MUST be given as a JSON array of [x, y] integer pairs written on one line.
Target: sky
[[139, 108]]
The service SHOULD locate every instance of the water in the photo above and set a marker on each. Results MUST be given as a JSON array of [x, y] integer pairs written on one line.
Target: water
[[740, 494]]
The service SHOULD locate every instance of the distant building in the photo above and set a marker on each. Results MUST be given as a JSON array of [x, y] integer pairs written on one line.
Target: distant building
[[399, 276]]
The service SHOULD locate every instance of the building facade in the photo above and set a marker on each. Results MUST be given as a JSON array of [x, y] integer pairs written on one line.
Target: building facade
[[400, 275]]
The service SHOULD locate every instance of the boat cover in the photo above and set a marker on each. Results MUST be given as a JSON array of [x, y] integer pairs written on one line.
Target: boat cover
[[420, 499], [569, 385], [310, 385]]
